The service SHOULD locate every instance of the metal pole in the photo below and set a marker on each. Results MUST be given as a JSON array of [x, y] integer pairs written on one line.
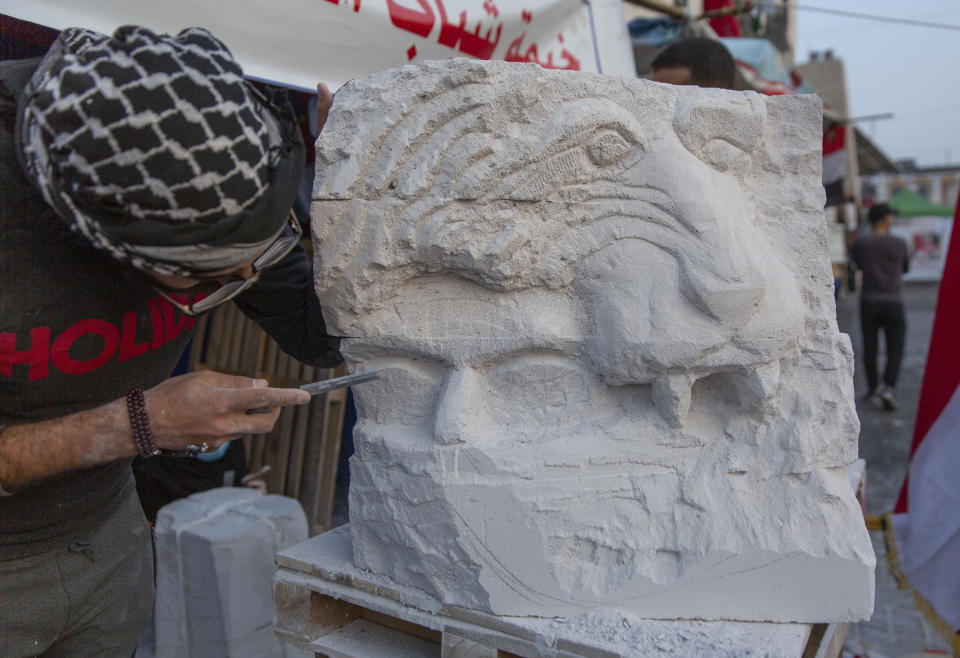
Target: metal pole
[[662, 7]]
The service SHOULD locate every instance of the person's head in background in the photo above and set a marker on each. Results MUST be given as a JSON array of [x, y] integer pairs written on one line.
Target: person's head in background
[[695, 61], [881, 218]]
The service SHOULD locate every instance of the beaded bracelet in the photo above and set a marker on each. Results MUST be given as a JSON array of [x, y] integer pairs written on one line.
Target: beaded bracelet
[[140, 424], [143, 437], [4, 492]]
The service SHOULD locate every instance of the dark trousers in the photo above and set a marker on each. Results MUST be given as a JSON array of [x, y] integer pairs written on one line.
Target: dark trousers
[[889, 316], [91, 595]]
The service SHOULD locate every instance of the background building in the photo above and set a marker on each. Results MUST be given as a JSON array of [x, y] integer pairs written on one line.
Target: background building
[[936, 184]]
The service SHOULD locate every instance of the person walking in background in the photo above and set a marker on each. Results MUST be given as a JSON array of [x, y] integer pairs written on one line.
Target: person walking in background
[[882, 258]]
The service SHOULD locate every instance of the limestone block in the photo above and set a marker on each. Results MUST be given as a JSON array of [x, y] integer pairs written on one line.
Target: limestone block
[[612, 374], [215, 564]]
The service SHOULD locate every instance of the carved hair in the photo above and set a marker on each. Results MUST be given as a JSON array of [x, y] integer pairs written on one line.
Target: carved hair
[[444, 189]]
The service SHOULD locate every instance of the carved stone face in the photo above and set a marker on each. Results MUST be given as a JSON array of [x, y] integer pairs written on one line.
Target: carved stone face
[[611, 372]]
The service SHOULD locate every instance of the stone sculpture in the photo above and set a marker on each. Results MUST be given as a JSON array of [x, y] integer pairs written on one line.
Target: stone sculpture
[[612, 375]]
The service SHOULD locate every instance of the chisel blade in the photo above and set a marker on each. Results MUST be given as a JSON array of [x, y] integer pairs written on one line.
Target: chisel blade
[[316, 388]]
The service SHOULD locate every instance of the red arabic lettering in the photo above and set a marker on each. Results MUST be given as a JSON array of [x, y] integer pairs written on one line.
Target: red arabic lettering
[[411, 20], [573, 64], [420, 22], [469, 43], [515, 54], [526, 15]]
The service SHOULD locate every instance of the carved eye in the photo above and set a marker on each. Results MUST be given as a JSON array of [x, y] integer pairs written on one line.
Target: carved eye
[[607, 148], [406, 393], [721, 154], [722, 132], [584, 140]]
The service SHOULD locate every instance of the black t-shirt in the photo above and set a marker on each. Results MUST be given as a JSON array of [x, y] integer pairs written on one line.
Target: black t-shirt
[[882, 259], [78, 330]]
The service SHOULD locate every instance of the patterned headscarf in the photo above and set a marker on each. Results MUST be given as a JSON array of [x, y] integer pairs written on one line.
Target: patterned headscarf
[[157, 150]]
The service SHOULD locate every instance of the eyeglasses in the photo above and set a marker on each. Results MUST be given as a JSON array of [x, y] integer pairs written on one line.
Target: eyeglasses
[[273, 255]]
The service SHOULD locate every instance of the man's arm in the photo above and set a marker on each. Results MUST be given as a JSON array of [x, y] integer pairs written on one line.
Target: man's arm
[[855, 254], [187, 410], [284, 304], [36, 451]]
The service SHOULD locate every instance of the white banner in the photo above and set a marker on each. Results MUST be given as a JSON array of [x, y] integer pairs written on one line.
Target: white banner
[[298, 43], [927, 238]]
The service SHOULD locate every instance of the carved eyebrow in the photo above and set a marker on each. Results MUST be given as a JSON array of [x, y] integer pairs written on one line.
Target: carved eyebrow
[[547, 357], [446, 350]]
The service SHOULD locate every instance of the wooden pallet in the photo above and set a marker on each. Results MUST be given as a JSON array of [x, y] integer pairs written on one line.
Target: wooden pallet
[[347, 624], [324, 604], [347, 630], [303, 449]]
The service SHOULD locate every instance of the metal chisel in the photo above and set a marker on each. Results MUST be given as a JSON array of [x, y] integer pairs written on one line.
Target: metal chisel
[[327, 385]]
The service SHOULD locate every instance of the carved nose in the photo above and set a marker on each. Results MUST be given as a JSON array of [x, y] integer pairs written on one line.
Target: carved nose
[[733, 304], [729, 286], [458, 415]]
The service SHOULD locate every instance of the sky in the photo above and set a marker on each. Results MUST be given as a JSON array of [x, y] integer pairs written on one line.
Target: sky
[[907, 70]]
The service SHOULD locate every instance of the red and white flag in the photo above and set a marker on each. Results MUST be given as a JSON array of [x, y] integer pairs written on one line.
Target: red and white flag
[[834, 160], [727, 25], [926, 520]]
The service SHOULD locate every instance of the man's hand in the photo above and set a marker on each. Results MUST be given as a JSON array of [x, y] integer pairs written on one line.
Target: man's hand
[[188, 410], [212, 407], [324, 101]]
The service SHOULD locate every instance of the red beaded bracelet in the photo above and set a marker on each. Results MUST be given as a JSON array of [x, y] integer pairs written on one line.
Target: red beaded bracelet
[[140, 424], [143, 437]]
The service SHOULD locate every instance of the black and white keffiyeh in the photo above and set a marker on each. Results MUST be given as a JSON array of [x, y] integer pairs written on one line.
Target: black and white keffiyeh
[[157, 150]]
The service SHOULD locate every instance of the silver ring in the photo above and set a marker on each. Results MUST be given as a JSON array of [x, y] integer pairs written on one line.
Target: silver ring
[[203, 447]]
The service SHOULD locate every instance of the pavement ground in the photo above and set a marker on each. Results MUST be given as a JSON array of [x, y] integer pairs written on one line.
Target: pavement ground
[[897, 629]]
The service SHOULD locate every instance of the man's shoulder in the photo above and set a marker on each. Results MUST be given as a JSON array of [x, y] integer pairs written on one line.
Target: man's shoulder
[[874, 241]]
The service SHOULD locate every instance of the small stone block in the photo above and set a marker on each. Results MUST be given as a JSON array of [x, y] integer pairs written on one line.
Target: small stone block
[[215, 563]]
